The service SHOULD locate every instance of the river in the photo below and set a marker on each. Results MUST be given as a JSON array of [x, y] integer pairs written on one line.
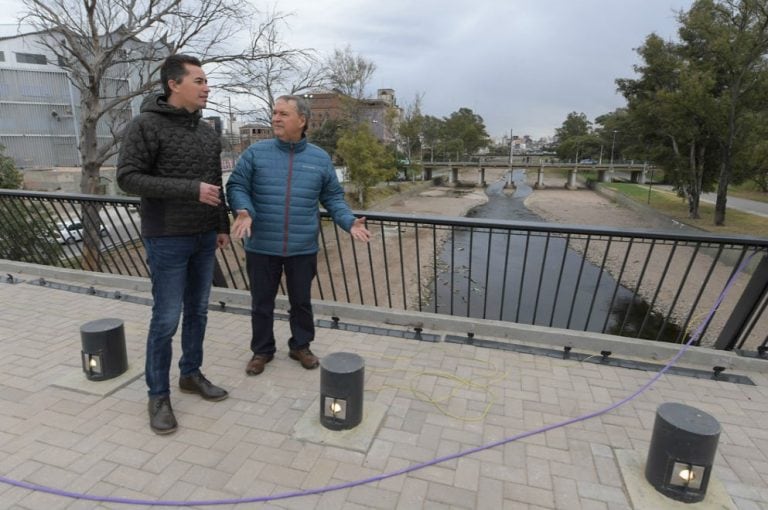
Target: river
[[546, 296]]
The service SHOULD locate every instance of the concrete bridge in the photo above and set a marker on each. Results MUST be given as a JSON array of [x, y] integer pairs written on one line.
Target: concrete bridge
[[637, 173]]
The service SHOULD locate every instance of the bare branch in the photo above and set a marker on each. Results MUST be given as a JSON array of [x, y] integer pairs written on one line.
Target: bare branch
[[112, 50]]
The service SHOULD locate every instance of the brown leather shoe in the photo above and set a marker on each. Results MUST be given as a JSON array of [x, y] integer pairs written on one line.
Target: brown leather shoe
[[257, 363], [305, 357]]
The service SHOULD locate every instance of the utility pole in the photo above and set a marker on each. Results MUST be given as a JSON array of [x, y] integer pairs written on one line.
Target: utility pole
[[231, 118], [613, 144], [511, 147]]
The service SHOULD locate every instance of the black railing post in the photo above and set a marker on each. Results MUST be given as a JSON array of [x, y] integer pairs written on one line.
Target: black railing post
[[742, 314]]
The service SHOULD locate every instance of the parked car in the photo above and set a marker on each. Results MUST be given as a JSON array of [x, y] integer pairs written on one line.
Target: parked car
[[72, 231], [588, 161]]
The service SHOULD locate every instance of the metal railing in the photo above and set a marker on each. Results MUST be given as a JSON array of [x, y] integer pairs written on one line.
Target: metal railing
[[634, 283]]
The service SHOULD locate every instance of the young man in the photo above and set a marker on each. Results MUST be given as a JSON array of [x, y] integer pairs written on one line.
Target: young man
[[172, 160], [275, 190]]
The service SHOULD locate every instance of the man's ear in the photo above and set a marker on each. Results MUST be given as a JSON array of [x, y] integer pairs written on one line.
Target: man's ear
[[173, 85]]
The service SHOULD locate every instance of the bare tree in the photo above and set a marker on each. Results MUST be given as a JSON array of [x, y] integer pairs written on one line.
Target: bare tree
[[350, 73], [112, 49], [282, 71], [410, 126]]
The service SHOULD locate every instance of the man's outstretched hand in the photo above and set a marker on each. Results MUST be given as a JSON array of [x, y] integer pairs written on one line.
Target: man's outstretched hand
[[242, 226], [359, 231]]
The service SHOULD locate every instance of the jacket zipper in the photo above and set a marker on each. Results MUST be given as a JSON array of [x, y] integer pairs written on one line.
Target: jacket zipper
[[287, 204]]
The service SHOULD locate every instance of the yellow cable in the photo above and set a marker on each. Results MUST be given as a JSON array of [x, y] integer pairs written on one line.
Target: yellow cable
[[462, 383]]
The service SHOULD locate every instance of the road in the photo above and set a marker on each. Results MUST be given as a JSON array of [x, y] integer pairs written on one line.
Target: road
[[740, 204]]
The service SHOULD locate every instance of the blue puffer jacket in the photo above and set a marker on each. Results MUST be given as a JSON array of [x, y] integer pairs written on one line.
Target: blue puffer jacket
[[281, 184]]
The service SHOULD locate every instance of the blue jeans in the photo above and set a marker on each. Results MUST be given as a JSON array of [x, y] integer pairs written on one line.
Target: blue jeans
[[181, 268], [264, 273]]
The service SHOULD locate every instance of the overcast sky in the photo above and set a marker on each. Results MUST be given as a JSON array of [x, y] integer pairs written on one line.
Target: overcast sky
[[520, 64]]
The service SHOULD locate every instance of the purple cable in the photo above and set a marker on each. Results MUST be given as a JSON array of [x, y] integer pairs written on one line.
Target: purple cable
[[415, 467]]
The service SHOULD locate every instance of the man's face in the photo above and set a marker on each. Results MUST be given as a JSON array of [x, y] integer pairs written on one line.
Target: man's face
[[286, 121], [191, 93]]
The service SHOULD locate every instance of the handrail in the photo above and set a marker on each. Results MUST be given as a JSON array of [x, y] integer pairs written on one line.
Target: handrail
[[633, 282]]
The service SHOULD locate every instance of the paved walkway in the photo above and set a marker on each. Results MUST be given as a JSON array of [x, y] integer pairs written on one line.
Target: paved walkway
[[439, 399], [740, 204]]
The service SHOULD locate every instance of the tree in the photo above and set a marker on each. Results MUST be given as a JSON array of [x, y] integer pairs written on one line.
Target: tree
[[367, 160], [755, 158], [349, 73], [111, 50], [575, 138], [282, 70], [671, 106], [26, 234], [696, 101], [327, 135], [10, 177], [728, 40], [410, 126], [431, 127], [575, 124], [463, 133]]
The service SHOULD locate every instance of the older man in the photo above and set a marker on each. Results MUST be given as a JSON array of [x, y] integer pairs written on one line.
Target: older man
[[275, 190]]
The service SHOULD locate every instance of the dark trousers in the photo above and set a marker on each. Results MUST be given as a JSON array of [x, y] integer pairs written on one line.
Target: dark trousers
[[181, 268], [264, 273]]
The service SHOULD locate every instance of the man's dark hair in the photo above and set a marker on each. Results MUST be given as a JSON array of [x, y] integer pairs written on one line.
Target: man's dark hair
[[302, 106], [173, 69]]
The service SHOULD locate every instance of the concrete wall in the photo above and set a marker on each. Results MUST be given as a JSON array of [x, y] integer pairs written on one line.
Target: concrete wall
[[66, 180]]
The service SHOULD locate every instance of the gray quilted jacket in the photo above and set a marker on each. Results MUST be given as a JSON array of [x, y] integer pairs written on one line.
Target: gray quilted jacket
[[165, 154]]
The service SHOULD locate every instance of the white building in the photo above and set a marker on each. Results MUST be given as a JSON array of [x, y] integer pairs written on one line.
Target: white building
[[39, 106]]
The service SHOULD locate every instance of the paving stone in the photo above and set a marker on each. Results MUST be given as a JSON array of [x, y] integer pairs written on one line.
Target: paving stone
[[243, 446]]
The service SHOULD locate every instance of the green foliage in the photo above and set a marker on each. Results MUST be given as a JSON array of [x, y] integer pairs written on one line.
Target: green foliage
[[368, 161], [576, 139], [697, 106], [25, 234], [430, 134], [10, 177], [463, 133], [575, 124], [327, 135], [410, 127]]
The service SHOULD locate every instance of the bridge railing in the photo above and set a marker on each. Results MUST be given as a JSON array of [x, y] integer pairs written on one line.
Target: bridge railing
[[634, 283]]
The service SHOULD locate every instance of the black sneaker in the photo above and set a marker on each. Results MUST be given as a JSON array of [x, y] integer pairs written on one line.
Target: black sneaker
[[161, 418], [197, 383]]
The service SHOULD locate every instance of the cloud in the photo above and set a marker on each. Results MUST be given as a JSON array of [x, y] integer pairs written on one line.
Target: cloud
[[520, 64]]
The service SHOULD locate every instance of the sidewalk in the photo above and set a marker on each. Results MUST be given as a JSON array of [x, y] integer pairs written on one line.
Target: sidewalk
[[740, 204], [437, 399]]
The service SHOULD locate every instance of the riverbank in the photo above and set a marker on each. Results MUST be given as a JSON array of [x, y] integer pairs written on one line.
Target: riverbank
[[585, 207]]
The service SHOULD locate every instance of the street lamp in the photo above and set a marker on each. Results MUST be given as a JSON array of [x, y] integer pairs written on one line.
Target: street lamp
[[511, 145], [613, 144]]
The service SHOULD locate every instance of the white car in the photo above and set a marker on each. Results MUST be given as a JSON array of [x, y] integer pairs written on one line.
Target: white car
[[72, 231]]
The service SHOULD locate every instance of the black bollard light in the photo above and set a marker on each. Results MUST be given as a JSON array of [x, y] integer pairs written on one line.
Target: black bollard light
[[682, 451], [341, 390], [103, 351]]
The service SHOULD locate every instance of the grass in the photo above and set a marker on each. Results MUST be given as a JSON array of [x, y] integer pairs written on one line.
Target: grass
[[748, 190], [669, 204]]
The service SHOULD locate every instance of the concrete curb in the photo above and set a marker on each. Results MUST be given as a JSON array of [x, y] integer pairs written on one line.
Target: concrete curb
[[582, 341]]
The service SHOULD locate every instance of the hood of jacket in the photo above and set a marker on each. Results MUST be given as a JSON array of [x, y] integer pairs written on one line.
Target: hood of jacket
[[156, 103]]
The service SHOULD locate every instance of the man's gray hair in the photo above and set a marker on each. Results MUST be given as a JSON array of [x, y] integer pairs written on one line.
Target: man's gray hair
[[302, 106]]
